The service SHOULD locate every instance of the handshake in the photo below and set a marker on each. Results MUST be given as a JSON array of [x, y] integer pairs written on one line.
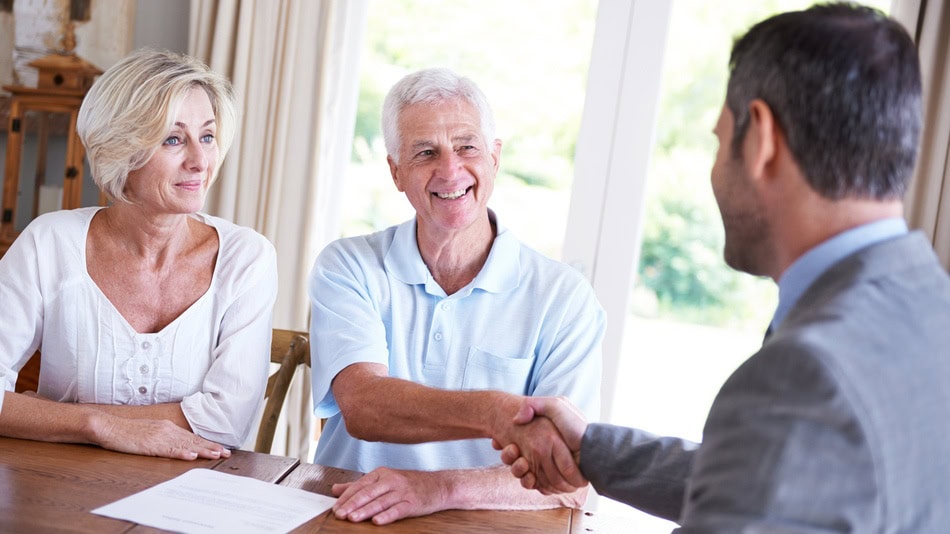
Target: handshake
[[543, 445]]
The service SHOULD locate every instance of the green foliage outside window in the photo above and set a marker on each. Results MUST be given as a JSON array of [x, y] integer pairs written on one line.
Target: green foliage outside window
[[681, 264], [681, 274]]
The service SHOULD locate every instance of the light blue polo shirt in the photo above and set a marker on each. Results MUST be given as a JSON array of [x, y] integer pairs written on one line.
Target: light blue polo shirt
[[526, 324], [812, 264]]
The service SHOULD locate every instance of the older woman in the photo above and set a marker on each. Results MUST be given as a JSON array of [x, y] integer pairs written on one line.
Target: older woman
[[153, 319]]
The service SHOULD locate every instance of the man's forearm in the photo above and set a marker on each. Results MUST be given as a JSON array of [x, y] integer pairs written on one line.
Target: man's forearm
[[382, 408], [493, 488]]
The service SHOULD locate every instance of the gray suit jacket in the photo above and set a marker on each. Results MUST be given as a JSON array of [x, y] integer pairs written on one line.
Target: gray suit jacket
[[840, 423]]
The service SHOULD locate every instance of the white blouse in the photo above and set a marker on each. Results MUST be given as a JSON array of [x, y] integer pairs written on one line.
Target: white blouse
[[213, 358]]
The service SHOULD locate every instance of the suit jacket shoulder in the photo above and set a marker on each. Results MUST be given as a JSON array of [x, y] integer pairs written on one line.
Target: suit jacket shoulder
[[839, 422]]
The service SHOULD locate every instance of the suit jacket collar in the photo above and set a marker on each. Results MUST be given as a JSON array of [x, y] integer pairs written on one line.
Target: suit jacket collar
[[883, 259], [805, 270]]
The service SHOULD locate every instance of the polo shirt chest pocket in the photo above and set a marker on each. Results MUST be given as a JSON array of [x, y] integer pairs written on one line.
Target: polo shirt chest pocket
[[484, 370]]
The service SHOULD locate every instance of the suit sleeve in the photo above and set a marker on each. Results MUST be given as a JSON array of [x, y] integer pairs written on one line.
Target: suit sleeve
[[635, 467], [783, 451]]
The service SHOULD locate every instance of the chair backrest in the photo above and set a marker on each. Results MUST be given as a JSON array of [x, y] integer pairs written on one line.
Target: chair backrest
[[289, 349], [29, 377]]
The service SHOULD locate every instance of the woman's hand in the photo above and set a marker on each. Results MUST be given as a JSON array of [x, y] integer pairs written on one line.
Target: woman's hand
[[152, 437], [33, 417]]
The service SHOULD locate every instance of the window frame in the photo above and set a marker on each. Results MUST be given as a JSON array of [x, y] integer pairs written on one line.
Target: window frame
[[614, 145]]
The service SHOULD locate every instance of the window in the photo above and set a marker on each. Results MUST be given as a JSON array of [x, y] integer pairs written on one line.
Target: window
[[689, 320], [531, 62]]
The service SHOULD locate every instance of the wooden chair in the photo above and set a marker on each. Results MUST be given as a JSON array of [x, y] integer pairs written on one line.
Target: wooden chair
[[290, 349], [28, 378]]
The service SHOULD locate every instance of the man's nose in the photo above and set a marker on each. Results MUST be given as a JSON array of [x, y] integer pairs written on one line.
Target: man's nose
[[448, 163]]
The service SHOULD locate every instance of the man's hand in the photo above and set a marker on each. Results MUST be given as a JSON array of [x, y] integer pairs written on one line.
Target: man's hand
[[543, 453], [386, 495], [153, 437], [542, 464]]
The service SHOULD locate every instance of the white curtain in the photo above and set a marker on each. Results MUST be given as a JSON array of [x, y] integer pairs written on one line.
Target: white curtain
[[928, 201], [294, 65]]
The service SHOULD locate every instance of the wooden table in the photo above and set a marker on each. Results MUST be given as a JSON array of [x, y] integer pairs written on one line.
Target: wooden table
[[51, 487]]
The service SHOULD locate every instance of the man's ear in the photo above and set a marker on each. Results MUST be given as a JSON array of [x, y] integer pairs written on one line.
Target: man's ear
[[761, 139], [394, 171], [496, 154]]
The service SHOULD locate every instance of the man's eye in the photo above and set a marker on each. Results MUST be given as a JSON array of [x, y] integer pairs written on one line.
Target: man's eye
[[425, 154]]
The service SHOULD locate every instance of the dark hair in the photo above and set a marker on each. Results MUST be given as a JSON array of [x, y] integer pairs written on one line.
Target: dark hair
[[843, 82]]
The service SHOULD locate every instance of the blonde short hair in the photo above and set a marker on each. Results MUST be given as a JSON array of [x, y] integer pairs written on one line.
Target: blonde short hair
[[131, 108]]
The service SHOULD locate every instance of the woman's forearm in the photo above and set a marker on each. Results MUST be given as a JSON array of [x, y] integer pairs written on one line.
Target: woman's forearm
[[32, 417], [169, 411], [146, 430]]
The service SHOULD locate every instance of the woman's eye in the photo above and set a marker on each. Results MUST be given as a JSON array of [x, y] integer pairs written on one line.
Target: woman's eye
[[208, 138], [172, 141]]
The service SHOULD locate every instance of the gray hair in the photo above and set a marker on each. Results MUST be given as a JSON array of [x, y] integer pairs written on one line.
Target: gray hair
[[130, 109], [432, 86], [843, 82]]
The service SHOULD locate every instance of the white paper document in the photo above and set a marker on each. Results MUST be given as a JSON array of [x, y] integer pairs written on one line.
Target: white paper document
[[202, 500]]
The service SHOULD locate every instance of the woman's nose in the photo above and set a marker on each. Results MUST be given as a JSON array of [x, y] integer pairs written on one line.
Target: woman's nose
[[196, 159]]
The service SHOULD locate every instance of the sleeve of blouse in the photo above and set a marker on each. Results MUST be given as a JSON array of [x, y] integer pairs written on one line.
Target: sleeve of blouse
[[225, 409], [21, 308]]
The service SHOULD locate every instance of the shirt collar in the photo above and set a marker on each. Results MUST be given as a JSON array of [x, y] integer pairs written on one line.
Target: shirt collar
[[500, 273], [812, 264], [502, 269]]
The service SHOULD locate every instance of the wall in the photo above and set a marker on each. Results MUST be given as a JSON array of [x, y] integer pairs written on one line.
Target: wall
[[161, 24], [6, 46], [116, 27]]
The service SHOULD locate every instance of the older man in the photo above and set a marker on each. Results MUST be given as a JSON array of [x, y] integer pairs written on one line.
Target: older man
[[841, 421], [427, 335]]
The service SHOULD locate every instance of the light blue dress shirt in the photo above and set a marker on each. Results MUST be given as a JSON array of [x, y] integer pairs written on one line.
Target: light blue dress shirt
[[806, 269], [526, 325]]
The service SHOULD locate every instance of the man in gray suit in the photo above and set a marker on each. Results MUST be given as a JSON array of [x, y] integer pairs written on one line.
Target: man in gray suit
[[841, 421]]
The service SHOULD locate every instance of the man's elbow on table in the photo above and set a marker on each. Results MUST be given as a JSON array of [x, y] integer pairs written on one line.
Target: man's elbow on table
[[360, 425], [576, 499], [357, 394]]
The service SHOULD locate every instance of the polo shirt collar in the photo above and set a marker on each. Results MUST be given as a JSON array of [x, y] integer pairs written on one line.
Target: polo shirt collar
[[403, 259], [502, 269], [500, 273]]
